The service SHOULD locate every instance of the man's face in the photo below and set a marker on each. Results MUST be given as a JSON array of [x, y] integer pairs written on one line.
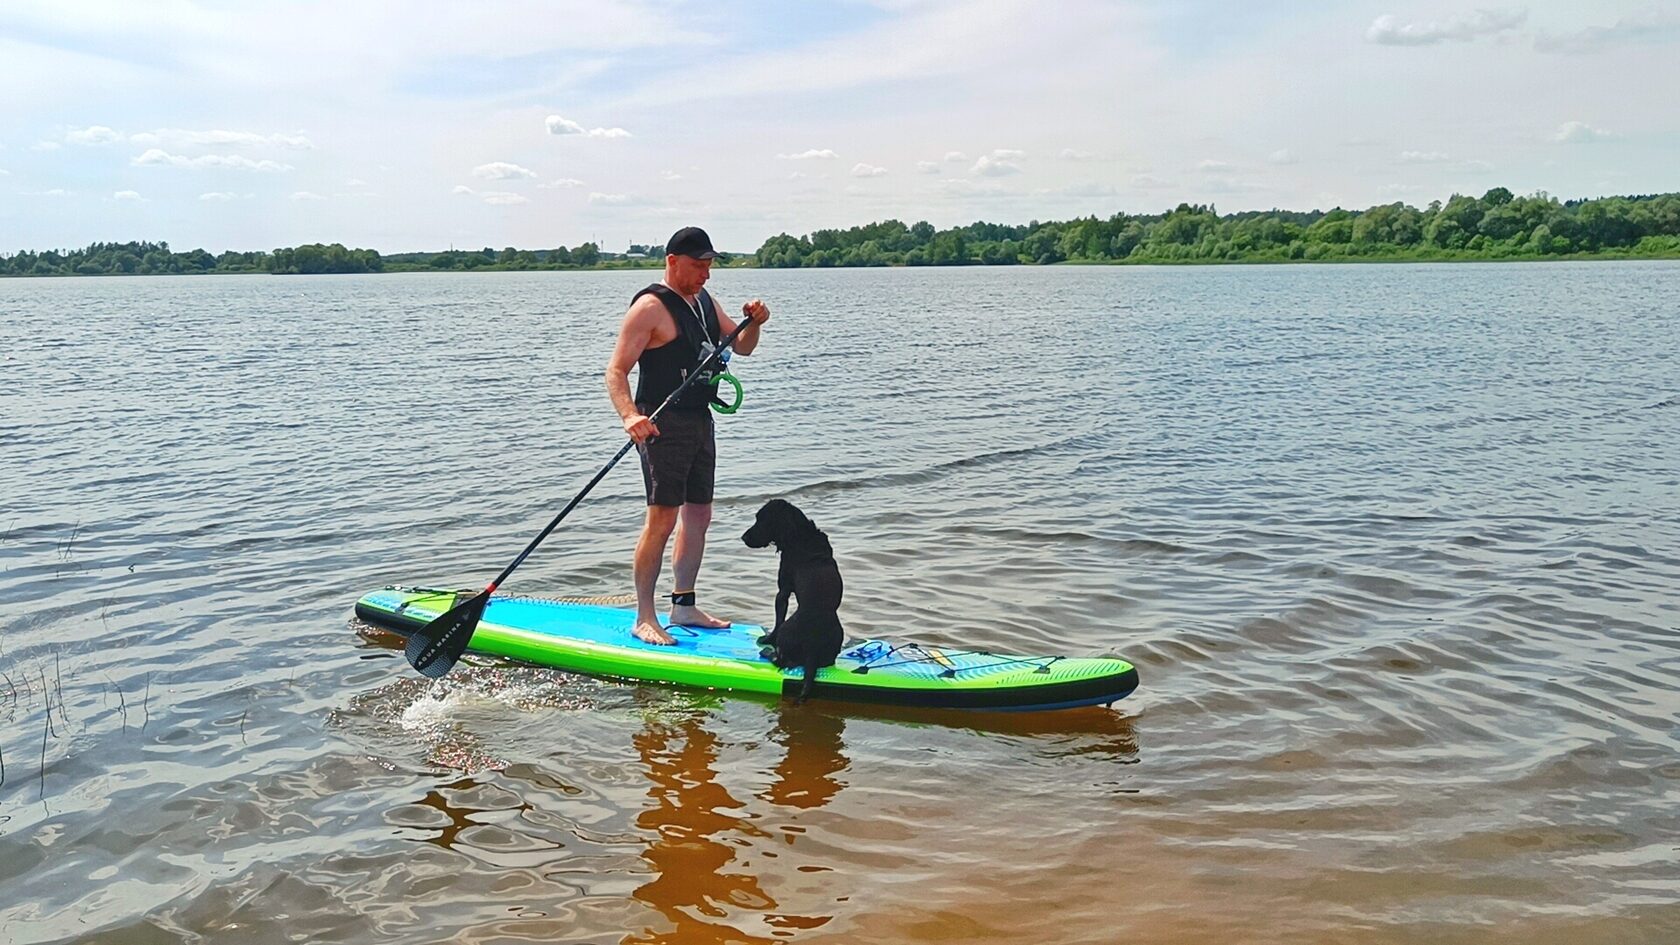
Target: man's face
[[690, 272]]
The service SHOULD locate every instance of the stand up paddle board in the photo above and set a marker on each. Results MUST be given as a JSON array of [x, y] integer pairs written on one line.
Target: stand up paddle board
[[596, 640]]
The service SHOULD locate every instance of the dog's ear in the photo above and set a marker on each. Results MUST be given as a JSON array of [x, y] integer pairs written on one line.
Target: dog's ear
[[798, 525], [799, 519], [780, 516]]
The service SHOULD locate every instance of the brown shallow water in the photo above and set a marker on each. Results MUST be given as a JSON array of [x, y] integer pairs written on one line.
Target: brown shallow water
[[1394, 547]]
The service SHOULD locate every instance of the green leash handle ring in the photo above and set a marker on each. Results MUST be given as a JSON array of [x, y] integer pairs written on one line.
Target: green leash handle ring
[[719, 405]]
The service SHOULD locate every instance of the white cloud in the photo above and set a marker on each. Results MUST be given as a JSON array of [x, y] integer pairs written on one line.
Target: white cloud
[[182, 138], [927, 167], [1150, 182], [355, 182], [306, 195], [1084, 189], [669, 175], [564, 182], [502, 170], [614, 200], [1283, 156], [868, 170], [955, 157], [217, 196], [1389, 31], [992, 165], [1423, 157], [814, 154], [4, 172], [1579, 132], [1479, 167], [499, 198], [1230, 185], [159, 157], [44, 146], [1074, 154], [1647, 26], [127, 195], [93, 135], [971, 188], [1215, 167], [565, 126]]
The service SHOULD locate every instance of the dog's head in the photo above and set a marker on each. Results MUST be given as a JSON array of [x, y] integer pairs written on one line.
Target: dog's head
[[777, 521]]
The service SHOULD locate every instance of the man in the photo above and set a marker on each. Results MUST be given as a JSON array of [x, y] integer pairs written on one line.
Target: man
[[669, 329]]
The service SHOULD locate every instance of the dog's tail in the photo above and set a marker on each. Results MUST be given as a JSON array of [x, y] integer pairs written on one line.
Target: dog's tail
[[810, 680]]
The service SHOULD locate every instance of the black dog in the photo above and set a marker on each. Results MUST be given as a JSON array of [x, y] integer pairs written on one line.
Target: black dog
[[812, 637]]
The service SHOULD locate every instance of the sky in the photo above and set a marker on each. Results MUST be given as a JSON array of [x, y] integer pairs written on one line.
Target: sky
[[424, 125]]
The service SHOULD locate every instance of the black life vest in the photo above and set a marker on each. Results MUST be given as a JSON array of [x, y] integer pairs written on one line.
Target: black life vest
[[663, 369]]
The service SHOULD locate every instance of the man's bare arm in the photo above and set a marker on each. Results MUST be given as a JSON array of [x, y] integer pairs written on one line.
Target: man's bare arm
[[633, 338], [758, 311]]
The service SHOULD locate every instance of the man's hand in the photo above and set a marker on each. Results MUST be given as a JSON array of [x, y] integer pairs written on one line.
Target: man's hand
[[756, 312], [640, 428]]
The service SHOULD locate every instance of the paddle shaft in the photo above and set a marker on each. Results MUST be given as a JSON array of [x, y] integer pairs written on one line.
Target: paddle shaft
[[692, 377]]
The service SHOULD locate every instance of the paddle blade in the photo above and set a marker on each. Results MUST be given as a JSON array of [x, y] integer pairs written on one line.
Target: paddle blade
[[433, 649]]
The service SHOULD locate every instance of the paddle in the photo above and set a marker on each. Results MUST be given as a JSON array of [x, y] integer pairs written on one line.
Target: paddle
[[434, 648]]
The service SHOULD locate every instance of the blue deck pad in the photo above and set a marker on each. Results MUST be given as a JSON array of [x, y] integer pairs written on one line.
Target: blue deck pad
[[610, 626]]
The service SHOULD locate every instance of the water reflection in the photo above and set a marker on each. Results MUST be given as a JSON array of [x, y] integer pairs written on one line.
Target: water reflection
[[815, 754], [702, 834], [1092, 730], [457, 802]]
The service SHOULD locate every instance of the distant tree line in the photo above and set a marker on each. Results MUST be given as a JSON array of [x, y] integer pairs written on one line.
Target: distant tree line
[[114, 259], [1496, 225], [106, 259], [584, 256]]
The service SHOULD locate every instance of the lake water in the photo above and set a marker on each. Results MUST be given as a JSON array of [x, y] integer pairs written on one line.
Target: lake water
[[1395, 548]]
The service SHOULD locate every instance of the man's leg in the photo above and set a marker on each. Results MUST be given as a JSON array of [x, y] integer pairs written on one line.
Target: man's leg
[[696, 517], [650, 553]]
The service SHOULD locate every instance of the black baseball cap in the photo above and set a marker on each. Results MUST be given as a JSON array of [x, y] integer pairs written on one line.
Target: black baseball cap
[[691, 241]]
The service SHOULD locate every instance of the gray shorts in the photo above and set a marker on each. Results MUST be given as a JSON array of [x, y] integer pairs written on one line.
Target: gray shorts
[[680, 464]]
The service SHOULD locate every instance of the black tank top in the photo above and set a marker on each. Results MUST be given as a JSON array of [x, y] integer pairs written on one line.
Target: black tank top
[[663, 369]]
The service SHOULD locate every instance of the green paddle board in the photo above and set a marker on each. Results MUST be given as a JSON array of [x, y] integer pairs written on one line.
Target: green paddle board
[[596, 640]]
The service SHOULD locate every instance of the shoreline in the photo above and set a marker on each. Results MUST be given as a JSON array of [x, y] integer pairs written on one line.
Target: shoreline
[[1067, 263]]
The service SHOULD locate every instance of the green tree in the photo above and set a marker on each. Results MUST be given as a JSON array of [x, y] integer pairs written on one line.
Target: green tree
[[1334, 227], [1454, 224], [948, 249]]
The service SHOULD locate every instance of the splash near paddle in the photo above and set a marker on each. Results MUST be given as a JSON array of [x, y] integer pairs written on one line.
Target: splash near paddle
[[596, 640]]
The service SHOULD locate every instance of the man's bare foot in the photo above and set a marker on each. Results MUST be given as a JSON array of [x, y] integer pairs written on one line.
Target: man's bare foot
[[649, 631], [691, 616]]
